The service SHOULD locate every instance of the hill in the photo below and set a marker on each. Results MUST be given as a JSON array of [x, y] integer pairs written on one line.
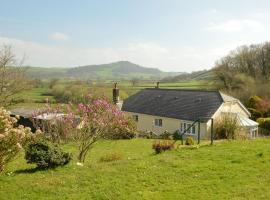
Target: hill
[[204, 75], [117, 70]]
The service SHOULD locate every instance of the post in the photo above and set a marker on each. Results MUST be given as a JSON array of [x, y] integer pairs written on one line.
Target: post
[[212, 131], [199, 131]]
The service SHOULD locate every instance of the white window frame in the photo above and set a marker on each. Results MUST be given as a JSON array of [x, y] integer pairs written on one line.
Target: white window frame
[[185, 125], [158, 122]]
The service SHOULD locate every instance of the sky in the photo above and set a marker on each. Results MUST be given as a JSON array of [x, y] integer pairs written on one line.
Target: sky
[[172, 35]]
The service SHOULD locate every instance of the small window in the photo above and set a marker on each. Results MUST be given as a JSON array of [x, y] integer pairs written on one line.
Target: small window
[[185, 126], [158, 122], [135, 117]]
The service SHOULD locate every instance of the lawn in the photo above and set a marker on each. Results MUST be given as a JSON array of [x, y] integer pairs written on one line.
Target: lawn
[[227, 170]]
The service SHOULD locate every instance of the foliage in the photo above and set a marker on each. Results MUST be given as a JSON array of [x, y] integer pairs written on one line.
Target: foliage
[[12, 76], [99, 119], [147, 134], [162, 145], [189, 141], [12, 138], [177, 135], [227, 127], [254, 113], [253, 101], [45, 154], [264, 122], [109, 157]]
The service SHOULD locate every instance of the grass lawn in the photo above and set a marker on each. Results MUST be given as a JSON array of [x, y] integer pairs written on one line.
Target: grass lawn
[[227, 170]]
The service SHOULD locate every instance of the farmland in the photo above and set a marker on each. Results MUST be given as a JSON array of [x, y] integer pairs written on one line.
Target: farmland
[[37, 96]]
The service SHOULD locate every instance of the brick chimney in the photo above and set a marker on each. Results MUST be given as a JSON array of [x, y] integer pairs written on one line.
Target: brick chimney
[[115, 94]]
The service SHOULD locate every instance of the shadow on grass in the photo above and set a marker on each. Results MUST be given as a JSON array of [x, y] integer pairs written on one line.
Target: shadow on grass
[[30, 170]]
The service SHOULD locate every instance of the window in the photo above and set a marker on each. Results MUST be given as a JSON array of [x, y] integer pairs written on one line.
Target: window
[[135, 117], [158, 122], [185, 126]]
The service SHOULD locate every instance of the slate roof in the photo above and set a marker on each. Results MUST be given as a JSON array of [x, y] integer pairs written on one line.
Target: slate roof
[[176, 103]]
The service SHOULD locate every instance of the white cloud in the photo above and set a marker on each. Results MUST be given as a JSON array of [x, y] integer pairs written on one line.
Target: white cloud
[[148, 54], [59, 36], [235, 25]]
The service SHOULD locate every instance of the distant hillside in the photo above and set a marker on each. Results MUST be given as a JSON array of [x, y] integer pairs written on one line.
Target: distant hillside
[[117, 70], [198, 76]]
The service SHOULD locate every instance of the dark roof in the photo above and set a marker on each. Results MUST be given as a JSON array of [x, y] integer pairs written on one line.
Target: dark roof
[[176, 103]]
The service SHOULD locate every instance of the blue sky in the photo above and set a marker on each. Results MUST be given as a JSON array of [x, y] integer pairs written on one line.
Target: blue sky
[[172, 35]]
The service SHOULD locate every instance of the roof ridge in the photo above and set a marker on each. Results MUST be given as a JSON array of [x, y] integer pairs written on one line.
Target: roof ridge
[[183, 89]]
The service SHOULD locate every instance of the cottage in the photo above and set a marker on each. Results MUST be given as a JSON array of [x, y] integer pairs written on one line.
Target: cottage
[[157, 110]]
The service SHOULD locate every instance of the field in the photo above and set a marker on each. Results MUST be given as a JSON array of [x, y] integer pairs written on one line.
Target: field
[[227, 170], [37, 96]]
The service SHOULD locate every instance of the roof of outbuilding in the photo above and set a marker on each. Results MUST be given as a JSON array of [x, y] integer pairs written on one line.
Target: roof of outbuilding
[[176, 103]]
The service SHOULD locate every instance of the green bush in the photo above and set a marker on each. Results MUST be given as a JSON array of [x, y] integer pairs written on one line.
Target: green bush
[[264, 122], [253, 101], [254, 113], [177, 135], [189, 141], [46, 154]]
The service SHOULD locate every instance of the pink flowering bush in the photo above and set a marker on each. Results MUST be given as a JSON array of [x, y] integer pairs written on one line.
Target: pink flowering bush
[[86, 123], [99, 119], [11, 138]]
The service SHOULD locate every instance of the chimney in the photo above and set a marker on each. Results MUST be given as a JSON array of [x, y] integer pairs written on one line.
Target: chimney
[[157, 85], [115, 94]]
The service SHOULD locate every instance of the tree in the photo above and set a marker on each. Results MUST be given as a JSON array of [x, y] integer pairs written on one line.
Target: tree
[[134, 81], [99, 119], [12, 76]]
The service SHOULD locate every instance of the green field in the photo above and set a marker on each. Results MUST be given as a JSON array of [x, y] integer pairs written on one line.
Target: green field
[[227, 170], [36, 96]]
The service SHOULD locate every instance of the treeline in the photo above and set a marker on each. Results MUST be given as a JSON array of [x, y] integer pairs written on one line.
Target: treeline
[[245, 71]]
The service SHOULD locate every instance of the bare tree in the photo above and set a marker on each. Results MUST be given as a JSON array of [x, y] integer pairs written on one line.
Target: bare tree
[[12, 75]]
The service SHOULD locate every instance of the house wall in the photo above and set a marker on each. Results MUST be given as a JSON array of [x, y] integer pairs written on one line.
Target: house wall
[[147, 123]]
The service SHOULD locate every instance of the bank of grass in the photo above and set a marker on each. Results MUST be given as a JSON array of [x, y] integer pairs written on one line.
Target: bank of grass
[[227, 170]]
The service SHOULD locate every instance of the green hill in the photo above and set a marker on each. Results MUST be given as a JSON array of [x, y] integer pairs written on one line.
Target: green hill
[[204, 75], [117, 70]]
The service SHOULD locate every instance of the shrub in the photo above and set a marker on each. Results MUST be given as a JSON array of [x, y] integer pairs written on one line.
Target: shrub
[[11, 138], [166, 135], [177, 135], [189, 141], [253, 101], [163, 145], [227, 127], [264, 122], [111, 157], [254, 113], [46, 154]]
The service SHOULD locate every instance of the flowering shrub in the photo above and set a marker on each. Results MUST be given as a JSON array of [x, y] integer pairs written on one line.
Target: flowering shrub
[[11, 138], [163, 145], [99, 119]]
